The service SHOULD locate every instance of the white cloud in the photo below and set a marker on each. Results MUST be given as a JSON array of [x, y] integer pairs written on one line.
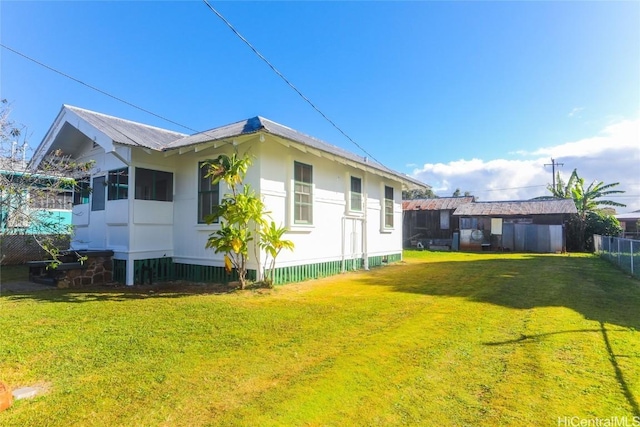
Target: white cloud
[[575, 112], [611, 156]]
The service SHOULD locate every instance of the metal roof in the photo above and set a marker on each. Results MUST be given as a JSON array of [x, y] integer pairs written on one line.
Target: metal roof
[[441, 203], [519, 207], [261, 124], [127, 132], [131, 133], [629, 215]]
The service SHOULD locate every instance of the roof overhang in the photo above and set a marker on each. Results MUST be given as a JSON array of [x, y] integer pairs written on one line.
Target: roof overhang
[[61, 136], [263, 134]]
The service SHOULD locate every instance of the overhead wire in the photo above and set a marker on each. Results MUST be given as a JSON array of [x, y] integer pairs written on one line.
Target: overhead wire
[[97, 89], [103, 92], [273, 68], [287, 81]]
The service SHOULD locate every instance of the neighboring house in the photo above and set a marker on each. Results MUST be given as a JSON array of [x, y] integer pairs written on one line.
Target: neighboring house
[[629, 223], [429, 223], [531, 226], [148, 196], [32, 203]]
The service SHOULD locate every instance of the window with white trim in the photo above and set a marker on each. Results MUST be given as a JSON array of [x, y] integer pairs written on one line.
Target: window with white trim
[[303, 194], [208, 193], [388, 207], [355, 195]]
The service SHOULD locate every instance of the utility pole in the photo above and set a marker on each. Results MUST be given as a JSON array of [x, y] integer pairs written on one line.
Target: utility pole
[[553, 165]]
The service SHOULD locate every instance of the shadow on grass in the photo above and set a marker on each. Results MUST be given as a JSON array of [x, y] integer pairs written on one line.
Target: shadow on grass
[[124, 293], [587, 285], [523, 339], [613, 358], [628, 394]]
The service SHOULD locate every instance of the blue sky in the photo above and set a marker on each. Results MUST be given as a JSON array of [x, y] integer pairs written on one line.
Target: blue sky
[[470, 95]]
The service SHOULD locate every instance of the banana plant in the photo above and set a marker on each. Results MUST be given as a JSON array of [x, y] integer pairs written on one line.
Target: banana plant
[[271, 240]]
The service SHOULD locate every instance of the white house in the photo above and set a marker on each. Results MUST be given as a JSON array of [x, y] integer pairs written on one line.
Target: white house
[[149, 197]]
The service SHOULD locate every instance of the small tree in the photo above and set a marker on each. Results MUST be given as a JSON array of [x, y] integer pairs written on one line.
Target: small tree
[[587, 200], [241, 212], [418, 194], [459, 193], [600, 223], [243, 219], [26, 196], [271, 240]]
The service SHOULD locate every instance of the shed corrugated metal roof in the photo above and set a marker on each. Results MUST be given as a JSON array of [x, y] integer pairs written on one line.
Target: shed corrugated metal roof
[[519, 207], [127, 132], [441, 203], [629, 215]]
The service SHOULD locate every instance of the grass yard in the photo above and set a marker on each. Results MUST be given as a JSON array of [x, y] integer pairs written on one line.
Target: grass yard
[[440, 339], [13, 273]]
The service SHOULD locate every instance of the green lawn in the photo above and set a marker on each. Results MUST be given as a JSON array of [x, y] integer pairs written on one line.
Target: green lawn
[[440, 339], [13, 273]]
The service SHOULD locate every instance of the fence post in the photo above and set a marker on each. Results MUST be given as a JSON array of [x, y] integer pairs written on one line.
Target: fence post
[[631, 254]]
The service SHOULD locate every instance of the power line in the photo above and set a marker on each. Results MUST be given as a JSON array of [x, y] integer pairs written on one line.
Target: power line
[[97, 89], [504, 189], [275, 70], [553, 165]]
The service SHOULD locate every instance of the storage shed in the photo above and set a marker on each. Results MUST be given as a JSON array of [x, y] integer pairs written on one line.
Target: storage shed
[[522, 226], [429, 223]]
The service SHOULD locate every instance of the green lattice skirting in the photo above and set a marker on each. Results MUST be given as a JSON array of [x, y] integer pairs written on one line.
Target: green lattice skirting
[[164, 269]]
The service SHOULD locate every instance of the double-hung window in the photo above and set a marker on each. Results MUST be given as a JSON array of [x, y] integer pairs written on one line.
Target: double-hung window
[[388, 207], [303, 194], [355, 195], [208, 194]]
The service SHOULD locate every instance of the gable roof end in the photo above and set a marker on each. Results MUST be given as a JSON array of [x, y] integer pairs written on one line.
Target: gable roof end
[[127, 132]]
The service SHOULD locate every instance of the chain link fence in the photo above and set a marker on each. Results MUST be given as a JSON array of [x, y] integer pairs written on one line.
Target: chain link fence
[[625, 253], [20, 248]]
